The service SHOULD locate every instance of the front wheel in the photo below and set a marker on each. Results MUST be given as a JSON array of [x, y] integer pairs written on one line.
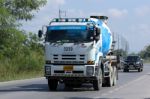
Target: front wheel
[[140, 69], [97, 84], [52, 84], [125, 70]]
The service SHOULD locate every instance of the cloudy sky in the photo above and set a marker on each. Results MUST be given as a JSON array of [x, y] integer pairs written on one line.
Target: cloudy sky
[[128, 18]]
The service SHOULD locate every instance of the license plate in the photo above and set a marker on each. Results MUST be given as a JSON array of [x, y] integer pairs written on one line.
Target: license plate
[[131, 67], [68, 68]]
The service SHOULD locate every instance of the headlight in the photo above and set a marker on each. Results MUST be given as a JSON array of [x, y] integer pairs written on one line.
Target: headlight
[[47, 70], [89, 70], [137, 62]]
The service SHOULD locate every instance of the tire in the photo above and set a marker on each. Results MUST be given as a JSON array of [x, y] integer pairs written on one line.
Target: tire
[[109, 81], [125, 70], [52, 84], [139, 69], [97, 84], [115, 76]]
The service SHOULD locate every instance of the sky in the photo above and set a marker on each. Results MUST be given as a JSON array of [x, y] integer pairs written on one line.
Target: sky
[[130, 19]]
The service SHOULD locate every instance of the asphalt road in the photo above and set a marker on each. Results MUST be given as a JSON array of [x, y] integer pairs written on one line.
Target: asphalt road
[[131, 85]]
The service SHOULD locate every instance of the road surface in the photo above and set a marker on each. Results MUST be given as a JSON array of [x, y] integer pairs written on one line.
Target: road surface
[[131, 85]]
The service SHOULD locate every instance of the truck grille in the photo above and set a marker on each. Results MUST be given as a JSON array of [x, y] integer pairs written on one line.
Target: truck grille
[[68, 59], [130, 63], [68, 62], [61, 71]]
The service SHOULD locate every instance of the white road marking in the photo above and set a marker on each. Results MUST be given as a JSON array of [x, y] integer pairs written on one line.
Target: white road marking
[[123, 86]]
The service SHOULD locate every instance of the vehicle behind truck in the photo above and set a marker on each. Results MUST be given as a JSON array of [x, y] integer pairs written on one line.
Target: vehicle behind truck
[[133, 62], [78, 51]]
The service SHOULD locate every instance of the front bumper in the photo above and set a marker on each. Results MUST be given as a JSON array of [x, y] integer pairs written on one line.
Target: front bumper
[[132, 67], [75, 71], [71, 78]]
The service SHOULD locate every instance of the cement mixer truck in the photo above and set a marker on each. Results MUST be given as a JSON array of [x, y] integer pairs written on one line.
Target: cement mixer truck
[[78, 51]]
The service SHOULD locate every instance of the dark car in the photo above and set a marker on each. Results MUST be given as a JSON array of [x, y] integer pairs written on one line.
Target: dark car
[[133, 63]]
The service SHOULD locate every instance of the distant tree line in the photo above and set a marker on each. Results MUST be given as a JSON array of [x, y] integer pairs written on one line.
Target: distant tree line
[[145, 54], [19, 51]]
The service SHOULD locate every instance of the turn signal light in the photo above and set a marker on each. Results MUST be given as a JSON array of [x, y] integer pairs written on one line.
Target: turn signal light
[[90, 62]]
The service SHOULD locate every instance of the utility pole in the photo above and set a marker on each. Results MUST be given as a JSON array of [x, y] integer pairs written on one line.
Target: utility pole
[[113, 43], [61, 12], [118, 42]]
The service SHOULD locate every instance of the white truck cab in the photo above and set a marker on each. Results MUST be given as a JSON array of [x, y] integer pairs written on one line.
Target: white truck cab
[[74, 53]]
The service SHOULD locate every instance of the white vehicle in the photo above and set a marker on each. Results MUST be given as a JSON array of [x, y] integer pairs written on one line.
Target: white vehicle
[[77, 51]]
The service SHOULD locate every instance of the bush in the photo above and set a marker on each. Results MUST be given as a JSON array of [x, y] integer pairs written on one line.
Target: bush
[[26, 60]]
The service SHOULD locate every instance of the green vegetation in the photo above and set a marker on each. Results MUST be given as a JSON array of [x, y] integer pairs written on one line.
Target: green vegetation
[[21, 56], [145, 54]]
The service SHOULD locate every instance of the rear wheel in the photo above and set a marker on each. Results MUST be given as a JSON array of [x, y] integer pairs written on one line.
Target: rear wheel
[[112, 79], [125, 70], [115, 76], [139, 69], [52, 84], [109, 80]]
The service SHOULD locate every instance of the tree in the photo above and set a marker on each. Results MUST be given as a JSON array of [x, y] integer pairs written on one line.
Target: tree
[[11, 12], [22, 9], [145, 53], [19, 51]]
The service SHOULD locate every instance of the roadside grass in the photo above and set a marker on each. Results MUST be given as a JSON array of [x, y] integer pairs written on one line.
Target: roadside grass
[[147, 60], [22, 67], [24, 75]]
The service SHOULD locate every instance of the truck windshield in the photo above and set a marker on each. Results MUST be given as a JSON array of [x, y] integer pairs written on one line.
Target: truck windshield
[[69, 35]]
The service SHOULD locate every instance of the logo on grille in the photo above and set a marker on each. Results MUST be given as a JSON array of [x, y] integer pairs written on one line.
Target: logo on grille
[[68, 49]]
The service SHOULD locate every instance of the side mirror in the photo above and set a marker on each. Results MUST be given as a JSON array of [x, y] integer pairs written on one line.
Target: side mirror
[[40, 32], [97, 38], [98, 31]]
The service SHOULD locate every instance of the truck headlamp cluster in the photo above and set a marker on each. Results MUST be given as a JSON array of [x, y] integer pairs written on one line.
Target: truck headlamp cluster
[[47, 70], [89, 70]]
